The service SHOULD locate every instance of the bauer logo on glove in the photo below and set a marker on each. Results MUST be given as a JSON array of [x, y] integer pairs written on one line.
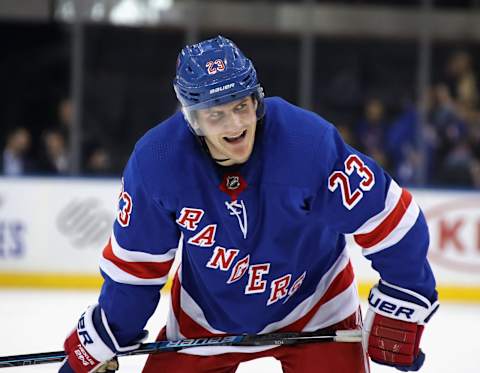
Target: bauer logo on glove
[[389, 308]]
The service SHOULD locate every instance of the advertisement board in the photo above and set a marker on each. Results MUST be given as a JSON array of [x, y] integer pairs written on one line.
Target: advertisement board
[[54, 227], [52, 232]]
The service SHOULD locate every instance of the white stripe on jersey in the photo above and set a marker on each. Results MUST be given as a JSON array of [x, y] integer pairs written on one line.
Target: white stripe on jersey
[[335, 310], [406, 223], [138, 256], [118, 275], [172, 328], [393, 196]]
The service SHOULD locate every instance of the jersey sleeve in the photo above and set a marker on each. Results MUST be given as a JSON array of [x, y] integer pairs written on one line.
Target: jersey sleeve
[[136, 260], [361, 199]]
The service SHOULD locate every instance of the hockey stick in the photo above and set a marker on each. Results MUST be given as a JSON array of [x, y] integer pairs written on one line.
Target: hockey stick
[[235, 340]]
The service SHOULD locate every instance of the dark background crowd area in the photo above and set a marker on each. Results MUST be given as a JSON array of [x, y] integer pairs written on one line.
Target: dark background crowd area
[[366, 87]]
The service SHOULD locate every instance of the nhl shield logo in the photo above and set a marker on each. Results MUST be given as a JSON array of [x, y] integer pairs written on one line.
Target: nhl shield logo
[[232, 182], [233, 185]]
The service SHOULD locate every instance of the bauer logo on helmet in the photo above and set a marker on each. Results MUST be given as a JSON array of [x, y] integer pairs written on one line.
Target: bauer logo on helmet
[[223, 88]]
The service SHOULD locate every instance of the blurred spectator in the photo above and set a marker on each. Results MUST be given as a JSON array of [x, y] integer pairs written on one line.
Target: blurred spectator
[[461, 79], [99, 162], [65, 116], [55, 158], [454, 156], [15, 159], [443, 118], [370, 131]]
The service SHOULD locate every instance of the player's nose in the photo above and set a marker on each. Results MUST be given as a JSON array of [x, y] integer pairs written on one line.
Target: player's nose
[[235, 123]]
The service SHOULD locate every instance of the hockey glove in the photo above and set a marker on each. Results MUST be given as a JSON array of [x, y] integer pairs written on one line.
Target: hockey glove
[[91, 344], [394, 324]]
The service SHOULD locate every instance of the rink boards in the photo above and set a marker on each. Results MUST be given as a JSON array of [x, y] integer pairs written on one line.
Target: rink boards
[[52, 232]]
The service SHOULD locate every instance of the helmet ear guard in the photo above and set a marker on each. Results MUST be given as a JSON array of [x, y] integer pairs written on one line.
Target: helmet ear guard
[[259, 95]]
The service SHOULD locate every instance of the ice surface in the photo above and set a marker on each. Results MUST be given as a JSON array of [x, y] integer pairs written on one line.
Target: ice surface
[[38, 321]]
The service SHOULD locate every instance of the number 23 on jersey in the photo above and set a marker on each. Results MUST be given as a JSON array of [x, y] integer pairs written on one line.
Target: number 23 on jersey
[[341, 179]]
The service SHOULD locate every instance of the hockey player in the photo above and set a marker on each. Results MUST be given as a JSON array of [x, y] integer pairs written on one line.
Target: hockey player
[[260, 194]]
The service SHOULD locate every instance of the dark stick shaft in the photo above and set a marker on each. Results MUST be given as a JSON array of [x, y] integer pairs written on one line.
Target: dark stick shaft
[[164, 346]]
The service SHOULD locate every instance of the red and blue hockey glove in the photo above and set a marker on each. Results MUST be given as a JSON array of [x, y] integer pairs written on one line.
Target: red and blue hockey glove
[[394, 324], [91, 344]]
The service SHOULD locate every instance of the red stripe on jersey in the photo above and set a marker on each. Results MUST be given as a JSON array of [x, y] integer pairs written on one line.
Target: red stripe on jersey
[[145, 270], [188, 327], [339, 284], [370, 239]]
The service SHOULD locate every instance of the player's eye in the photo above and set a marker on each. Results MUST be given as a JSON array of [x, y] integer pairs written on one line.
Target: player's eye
[[215, 116], [241, 106]]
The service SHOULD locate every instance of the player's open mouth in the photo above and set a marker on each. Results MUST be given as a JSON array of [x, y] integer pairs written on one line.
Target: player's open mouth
[[236, 139]]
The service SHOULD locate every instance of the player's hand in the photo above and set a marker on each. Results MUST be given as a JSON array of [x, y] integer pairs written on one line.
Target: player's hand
[[394, 324], [91, 344], [109, 367]]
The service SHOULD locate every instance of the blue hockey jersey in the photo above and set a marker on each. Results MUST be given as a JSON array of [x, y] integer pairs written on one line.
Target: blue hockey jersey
[[263, 243]]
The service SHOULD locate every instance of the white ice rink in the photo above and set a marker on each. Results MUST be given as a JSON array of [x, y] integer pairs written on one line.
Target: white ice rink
[[38, 321]]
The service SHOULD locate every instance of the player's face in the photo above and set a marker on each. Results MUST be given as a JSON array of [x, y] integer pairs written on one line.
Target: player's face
[[229, 130]]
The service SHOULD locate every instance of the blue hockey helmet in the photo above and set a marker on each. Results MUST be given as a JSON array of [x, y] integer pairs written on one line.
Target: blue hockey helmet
[[214, 72]]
